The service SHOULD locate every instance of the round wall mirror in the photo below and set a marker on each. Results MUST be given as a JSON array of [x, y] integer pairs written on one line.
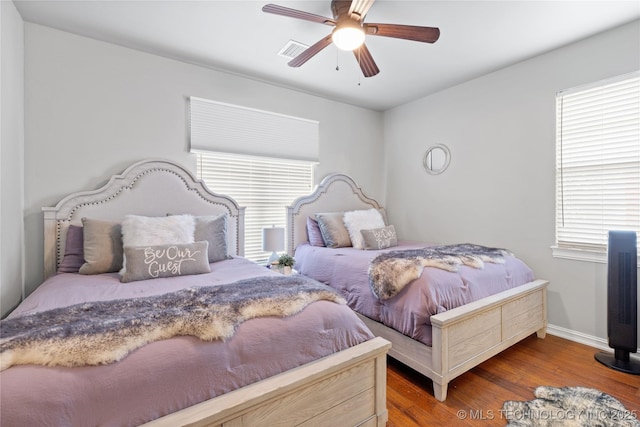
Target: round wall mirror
[[436, 159]]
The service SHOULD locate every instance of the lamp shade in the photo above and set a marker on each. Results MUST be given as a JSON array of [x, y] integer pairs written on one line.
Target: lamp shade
[[273, 239]]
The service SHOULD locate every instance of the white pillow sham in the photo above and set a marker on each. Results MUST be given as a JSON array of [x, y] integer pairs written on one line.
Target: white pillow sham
[[356, 221]]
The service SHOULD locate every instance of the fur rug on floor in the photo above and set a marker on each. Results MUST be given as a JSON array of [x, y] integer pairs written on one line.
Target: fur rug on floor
[[390, 272], [103, 332], [569, 407]]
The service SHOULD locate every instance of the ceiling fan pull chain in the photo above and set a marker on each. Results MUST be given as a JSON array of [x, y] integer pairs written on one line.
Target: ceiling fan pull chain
[[359, 59], [337, 60]]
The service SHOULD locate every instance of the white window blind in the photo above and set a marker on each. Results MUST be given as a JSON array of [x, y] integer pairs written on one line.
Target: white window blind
[[221, 127], [597, 163], [265, 185]]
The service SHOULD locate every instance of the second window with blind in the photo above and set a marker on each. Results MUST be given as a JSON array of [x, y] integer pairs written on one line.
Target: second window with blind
[[597, 165], [261, 159]]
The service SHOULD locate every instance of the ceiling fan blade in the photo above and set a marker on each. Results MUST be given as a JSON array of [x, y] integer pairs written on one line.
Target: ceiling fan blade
[[407, 32], [310, 52], [359, 8], [294, 13], [367, 64]]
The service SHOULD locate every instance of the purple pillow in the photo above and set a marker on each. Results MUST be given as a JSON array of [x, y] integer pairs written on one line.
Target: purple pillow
[[73, 251], [313, 233]]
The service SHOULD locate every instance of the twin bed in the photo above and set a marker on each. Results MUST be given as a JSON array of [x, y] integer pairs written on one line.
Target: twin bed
[[443, 323], [312, 362]]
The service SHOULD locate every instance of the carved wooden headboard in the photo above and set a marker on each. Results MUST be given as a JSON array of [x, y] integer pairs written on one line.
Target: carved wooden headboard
[[151, 188]]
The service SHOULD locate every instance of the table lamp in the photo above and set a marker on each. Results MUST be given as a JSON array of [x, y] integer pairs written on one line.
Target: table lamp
[[273, 240]]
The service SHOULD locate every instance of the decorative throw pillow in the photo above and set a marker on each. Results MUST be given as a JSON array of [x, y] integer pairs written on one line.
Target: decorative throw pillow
[[334, 233], [313, 232], [213, 229], [355, 221], [380, 238], [150, 262], [102, 246], [73, 251], [153, 231]]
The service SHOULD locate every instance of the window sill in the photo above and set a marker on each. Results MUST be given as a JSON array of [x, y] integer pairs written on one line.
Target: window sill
[[582, 255], [579, 254]]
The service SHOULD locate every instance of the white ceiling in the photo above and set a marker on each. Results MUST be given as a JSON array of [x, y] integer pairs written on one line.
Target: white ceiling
[[477, 37]]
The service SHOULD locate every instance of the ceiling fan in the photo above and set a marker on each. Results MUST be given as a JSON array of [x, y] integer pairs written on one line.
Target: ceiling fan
[[350, 30]]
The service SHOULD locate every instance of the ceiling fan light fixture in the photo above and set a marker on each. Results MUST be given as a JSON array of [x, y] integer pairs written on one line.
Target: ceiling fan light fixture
[[349, 31], [348, 36]]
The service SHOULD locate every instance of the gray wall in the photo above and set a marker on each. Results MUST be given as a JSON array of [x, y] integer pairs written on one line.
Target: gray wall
[[11, 156], [500, 187], [93, 108]]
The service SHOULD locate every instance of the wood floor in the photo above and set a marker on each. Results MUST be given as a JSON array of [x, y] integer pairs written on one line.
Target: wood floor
[[475, 398]]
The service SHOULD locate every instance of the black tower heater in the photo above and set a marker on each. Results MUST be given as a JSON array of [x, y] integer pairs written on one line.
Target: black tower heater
[[622, 302]]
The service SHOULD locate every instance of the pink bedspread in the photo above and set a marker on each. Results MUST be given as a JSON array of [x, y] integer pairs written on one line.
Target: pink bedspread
[[409, 312], [169, 375]]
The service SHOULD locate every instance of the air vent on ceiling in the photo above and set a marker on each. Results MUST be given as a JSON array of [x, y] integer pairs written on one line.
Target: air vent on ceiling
[[292, 49]]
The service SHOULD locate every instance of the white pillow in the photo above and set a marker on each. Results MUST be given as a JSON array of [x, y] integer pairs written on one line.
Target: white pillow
[[356, 221], [153, 231]]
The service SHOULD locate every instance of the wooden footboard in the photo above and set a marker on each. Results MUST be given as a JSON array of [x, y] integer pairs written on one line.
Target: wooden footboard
[[466, 336], [347, 388]]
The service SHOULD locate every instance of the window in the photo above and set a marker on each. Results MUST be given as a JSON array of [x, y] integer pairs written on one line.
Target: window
[[263, 160], [266, 186], [597, 165]]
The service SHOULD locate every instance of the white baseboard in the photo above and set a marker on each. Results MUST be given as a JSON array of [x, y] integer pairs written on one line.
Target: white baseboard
[[579, 337]]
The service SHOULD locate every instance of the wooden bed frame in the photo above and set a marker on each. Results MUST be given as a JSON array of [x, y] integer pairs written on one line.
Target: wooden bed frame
[[347, 388], [461, 338]]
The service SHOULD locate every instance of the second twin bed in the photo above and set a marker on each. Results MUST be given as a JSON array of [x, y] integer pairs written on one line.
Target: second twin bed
[[456, 305]]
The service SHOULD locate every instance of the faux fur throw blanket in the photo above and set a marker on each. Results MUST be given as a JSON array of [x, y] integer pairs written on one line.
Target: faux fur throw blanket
[[568, 407], [103, 332], [390, 272]]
